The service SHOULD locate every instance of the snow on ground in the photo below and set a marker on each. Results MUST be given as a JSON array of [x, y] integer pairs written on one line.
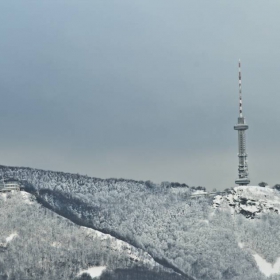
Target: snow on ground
[[249, 208], [217, 200], [121, 246], [251, 200], [56, 244], [26, 197], [11, 237], [267, 268], [94, 271], [198, 192], [3, 196], [241, 245], [257, 192]]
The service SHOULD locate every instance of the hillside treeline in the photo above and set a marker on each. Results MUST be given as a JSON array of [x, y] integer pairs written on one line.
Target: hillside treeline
[[186, 233]]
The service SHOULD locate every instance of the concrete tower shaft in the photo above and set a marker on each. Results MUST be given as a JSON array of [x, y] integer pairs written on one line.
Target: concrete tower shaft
[[243, 175]]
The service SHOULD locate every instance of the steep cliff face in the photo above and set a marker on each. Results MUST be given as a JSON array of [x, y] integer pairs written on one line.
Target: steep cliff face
[[251, 201]]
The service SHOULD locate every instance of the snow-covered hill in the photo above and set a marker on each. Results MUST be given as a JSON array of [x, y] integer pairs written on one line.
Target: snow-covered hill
[[251, 201], [25, 224], [169, 223]]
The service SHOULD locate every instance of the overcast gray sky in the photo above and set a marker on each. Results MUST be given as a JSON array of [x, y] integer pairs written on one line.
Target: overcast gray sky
[[140, 89]]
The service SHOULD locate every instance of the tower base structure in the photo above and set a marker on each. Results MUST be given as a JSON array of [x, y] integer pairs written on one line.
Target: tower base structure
[[242, 181]]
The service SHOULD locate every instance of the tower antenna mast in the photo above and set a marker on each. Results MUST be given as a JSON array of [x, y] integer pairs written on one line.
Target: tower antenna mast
[[243, 175], [240, 90]]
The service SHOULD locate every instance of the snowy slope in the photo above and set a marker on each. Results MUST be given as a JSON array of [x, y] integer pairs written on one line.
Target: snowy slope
[[122, 247], [268, 269], [166, 222], [94, 271], [56, 235]]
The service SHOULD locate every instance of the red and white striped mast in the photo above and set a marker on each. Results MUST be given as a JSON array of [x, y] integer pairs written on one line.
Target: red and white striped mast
[[240, 90]]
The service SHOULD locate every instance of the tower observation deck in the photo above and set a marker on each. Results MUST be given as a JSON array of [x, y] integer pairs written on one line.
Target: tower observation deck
[[241, 126]]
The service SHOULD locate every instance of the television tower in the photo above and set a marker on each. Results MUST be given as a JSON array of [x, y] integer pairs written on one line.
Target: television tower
[[243, 179]]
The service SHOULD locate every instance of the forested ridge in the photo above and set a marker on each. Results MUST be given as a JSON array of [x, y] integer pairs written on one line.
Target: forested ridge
[[36, 243], [163, 220]]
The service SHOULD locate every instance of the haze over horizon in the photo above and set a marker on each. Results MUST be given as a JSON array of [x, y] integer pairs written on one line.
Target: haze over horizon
[[139, 89]]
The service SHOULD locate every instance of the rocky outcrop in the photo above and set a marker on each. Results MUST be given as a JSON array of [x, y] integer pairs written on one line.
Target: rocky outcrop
[[250, 201]]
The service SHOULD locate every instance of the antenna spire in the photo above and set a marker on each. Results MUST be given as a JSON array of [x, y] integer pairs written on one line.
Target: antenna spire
[[240, 91]]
